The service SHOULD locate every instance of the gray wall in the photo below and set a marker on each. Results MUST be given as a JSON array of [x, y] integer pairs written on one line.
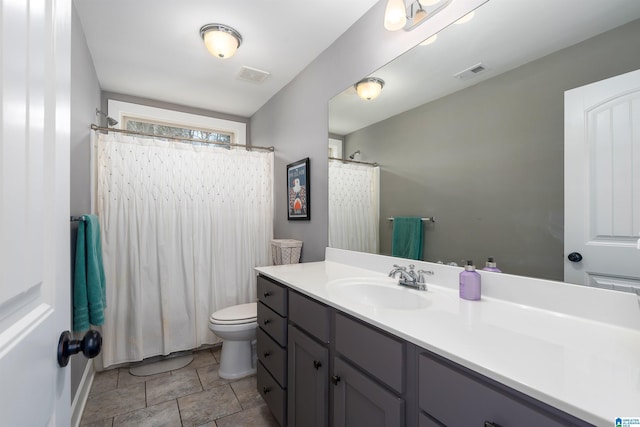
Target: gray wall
[[295, 120], [85, 98], [487, 161]]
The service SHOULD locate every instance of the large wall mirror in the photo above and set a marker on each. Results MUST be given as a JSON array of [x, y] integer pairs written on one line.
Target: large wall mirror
[[469, 130]]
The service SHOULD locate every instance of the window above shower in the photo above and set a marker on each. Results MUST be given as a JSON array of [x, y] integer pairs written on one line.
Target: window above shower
[[171, 123], [176, 131]]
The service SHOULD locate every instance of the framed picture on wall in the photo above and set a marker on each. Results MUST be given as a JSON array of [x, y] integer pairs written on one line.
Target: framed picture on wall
[[298, 193]]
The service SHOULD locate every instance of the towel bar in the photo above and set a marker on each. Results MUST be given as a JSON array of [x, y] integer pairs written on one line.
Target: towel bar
[[77, 218], [429, 218]]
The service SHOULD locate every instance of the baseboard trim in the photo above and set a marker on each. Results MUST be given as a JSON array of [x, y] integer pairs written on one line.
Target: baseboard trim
[[82, 394]]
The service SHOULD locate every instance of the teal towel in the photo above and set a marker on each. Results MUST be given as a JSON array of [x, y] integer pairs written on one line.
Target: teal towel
[[89, 292], [407, 238]]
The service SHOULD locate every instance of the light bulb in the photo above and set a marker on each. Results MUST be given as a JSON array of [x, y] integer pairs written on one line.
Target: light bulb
[[395, 15]]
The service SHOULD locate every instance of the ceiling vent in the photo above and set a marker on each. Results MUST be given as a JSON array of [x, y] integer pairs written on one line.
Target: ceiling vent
[[471, 71], [252, 74]]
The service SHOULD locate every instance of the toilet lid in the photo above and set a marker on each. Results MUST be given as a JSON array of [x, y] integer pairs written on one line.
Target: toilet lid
[[243, 313]]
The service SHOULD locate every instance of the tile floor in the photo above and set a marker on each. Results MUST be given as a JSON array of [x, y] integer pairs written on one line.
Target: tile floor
[[191, 396]]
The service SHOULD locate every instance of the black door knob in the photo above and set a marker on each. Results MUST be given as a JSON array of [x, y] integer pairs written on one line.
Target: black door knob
[[335, 379], [575, 257], [317, 364], [90, 346]]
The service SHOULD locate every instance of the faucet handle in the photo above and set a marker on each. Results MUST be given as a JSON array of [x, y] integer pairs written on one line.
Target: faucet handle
[[401, 268], [421, 274]]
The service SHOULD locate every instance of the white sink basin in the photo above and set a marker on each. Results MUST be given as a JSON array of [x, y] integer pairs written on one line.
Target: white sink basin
[[378, 292]]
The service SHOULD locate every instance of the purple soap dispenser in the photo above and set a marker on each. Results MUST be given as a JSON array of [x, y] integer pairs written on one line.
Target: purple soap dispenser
[[470, 282], [491, 266]]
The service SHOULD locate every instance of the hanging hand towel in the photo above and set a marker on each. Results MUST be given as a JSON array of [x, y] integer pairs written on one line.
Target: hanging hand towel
[[89, 293], [407, 238]]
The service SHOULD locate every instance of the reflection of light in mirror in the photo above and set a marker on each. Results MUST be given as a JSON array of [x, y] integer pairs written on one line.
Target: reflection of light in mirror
[[430, 40], [369, 88], [395, 16], [466, 18]]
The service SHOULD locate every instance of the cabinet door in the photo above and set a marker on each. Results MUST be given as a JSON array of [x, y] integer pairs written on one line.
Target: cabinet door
[[358, 401], [308, 384]]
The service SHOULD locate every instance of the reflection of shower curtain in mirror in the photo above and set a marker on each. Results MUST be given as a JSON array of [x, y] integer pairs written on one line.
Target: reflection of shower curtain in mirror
[[354, 206], [183, 227]]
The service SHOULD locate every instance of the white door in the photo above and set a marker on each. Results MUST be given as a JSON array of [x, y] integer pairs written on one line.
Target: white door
[[602, 183], [34, 210]]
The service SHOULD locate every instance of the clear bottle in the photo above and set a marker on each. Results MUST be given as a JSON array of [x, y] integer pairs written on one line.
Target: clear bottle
[[490, 265], [470, 282]]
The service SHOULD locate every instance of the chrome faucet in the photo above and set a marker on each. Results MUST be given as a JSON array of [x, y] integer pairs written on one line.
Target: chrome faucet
[[412, 278]]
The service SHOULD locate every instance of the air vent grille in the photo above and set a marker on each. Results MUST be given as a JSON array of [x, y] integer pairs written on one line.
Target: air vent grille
[[470, 72], [252, 74]]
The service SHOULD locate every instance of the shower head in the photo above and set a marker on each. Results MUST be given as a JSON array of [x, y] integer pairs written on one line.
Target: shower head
[[110, 120], [354, 154]]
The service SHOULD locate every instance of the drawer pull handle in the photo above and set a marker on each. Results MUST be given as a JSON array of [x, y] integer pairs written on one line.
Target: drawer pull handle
[[266, 354], [266, 390], [266, 321], [267, 294], [317, 364], [490, 424], [335, 379]]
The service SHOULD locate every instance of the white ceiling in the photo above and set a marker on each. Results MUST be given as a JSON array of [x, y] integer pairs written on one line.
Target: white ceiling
[[503, 35], [153, 49]]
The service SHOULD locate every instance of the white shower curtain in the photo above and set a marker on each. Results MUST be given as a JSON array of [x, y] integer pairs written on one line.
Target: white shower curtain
[[354, 206], [182, 228]]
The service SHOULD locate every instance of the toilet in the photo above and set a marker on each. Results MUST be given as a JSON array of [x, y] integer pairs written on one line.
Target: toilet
[[236, 325]]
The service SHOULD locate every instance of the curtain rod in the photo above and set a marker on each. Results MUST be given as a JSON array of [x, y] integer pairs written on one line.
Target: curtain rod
[[354, 161], [133, 132]]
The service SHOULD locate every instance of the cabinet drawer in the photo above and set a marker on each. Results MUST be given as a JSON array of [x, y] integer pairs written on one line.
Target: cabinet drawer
[[273, 357], [273, 324], [273, 295], [376, 352], [274, 396], [309, 315], [456, 399]]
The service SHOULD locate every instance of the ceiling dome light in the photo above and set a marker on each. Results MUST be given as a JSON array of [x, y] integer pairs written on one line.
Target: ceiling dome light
[[395, 15], [221, 40], [369, 88]]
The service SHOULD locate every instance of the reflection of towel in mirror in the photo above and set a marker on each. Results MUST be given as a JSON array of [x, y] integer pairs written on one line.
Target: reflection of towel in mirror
[[89, 293], [407, 237]]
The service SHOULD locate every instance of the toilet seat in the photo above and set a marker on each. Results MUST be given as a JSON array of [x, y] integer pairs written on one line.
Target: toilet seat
[[235, 315]]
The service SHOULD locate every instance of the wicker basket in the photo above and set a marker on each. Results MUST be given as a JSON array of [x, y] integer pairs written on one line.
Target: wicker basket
[[285, 251]]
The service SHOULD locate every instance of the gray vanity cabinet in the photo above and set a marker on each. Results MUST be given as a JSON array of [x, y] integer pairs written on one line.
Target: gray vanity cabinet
[[308, 397], [319, 367]]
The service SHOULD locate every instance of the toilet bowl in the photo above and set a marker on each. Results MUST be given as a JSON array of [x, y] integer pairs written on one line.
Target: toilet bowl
[[236, 325]]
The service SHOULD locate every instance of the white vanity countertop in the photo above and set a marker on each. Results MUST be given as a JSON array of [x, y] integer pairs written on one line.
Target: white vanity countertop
[[587, 368]]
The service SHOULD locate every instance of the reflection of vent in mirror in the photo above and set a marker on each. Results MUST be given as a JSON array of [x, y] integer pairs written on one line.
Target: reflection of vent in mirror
[[471, 72]]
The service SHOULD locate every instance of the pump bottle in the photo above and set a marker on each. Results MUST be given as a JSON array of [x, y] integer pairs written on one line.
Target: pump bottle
[[470, 282], [491, 266]]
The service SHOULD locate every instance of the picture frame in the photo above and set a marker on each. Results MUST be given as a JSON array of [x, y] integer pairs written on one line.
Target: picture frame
[[298, 190]]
